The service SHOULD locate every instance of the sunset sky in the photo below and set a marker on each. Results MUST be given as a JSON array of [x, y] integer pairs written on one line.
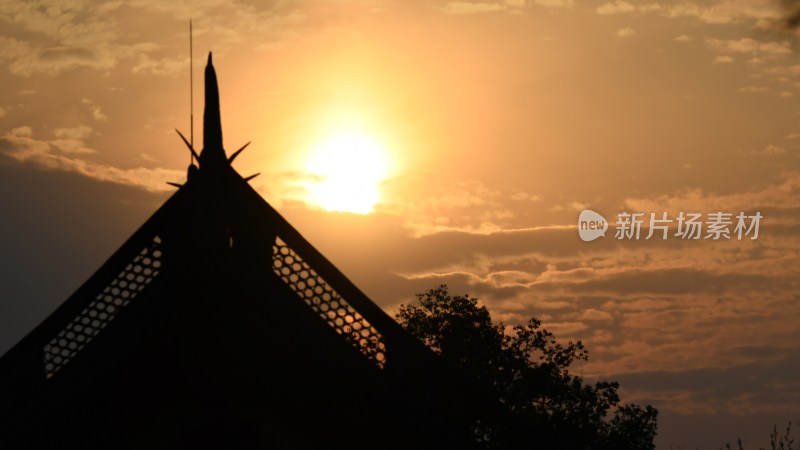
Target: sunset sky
[[474, 133]]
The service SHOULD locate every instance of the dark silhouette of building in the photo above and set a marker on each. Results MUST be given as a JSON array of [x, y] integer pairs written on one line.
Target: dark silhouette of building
[[218, 326]]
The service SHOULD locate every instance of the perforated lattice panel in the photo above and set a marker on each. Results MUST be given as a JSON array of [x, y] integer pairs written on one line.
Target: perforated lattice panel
[[102, 310], [324, 300]]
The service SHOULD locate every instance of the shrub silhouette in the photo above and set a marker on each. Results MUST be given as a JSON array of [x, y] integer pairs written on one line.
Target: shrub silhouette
[[528, 371], [777, 441]]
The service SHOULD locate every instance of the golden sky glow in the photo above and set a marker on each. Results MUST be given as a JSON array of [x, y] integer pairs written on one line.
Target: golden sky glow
[[471, 133]]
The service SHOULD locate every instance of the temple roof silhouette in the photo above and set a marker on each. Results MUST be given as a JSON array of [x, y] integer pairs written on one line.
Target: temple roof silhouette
[[217, 325]]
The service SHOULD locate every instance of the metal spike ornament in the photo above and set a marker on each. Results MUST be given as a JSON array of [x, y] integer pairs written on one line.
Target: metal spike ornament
[[213, 154]]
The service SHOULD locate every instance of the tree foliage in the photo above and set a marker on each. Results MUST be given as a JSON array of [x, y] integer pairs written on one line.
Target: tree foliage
[[528, 370]]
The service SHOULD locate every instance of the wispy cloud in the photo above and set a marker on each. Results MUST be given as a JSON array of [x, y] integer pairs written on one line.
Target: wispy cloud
[[727, 11], [617, 7], [769, 150], [50, 37], [753, 89], [765, 12], [472, 8], [623, 7], [467, 206], [96, 110], [748, 45], [61, 154], [555, 4]]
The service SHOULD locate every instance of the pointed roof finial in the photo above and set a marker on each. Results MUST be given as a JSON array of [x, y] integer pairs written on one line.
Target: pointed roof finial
[[213, 152]]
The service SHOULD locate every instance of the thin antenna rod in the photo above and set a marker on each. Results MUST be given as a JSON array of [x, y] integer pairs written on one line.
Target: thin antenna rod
[[191, 90]]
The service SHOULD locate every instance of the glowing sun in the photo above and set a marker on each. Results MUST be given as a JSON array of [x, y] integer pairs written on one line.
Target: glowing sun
[[347, 169]]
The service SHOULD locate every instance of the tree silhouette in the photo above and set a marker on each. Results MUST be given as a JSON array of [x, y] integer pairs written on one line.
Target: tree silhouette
[[528, 371]]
